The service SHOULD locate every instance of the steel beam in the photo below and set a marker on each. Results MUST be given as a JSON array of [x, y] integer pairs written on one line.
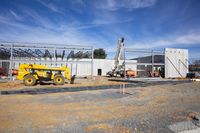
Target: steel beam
[[35, 51]]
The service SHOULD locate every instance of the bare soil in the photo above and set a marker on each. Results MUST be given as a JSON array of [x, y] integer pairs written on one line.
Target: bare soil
[[140, 109], [16, 85]]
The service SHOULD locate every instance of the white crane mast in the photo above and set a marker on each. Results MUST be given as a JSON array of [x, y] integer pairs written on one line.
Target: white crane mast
[[118, 53]]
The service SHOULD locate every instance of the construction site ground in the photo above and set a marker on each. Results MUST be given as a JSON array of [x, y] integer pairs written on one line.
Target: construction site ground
[[139, 109], [87, 81]]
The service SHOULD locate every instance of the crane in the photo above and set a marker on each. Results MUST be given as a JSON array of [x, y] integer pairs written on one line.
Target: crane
[[118, 69]]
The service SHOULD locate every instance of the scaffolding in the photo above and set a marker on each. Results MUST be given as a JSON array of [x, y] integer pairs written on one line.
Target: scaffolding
[[12, 54]]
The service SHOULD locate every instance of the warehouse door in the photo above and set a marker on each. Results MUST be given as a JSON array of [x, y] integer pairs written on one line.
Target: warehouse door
[[99, 72]]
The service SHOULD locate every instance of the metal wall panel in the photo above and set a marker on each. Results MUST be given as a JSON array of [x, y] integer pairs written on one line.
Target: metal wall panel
[[104, 64], [176, 63]]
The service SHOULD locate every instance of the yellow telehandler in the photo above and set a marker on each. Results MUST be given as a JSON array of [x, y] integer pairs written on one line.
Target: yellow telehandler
[[32, 73]]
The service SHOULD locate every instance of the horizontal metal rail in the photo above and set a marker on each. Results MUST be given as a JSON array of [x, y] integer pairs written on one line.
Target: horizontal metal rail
[[131, 50], [45, 61], [52, 45], [155, 64], [50, 48]]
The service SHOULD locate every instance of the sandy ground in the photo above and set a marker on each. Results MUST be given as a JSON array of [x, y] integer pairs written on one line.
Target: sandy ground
[[141, 109]]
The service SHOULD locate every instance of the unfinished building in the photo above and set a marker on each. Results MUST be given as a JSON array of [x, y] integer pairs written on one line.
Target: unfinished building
[[170, 62]]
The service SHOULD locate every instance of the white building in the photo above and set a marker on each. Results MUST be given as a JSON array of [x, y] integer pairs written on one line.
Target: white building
[[100, 67], [175, 64]]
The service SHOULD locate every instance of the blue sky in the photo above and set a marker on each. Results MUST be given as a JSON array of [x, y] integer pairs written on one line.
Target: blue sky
[[145, 24]]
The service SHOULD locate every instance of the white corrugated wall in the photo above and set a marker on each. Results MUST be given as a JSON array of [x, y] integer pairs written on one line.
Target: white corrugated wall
[[176, 62]]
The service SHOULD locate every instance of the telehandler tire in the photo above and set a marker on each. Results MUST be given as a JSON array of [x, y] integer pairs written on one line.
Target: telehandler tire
[[29, 80], [59, 80]]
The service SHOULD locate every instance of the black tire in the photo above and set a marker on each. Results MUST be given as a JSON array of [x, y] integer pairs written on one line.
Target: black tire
[[29, 80], [59, 80]]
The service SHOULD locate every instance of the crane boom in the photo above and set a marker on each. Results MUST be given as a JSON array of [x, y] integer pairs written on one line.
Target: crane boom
[[118, 53], [118, 68]]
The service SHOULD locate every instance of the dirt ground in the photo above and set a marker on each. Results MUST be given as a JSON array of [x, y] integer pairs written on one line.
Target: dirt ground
[[16, 85], [140, 109]]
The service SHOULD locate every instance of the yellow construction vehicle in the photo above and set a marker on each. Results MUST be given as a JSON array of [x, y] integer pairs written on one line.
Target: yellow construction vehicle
[[31, 74]]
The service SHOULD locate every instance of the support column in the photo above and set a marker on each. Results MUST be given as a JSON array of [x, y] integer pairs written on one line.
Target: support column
[[152, 58], [54, 56], [11, 62], [124, 63], [76, 69], [92, 63], [71, 69]]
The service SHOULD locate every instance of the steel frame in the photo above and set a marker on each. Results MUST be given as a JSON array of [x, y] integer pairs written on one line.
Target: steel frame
[[34, 52], [143, 51], [15, 52]]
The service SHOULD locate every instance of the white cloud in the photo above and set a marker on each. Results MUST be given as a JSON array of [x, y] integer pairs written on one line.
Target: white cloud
[[77, 6], [126, 4], [16, 16], [46, 30], [72, 33], [113, 21], [99, 22], [78, 3], [3, 18], [40, 20], [187, 40], [18, 32], [50, 6], [25, 33], [10, 16]]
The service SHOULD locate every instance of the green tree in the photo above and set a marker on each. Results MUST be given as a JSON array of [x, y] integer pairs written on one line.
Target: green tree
[[100, 53]]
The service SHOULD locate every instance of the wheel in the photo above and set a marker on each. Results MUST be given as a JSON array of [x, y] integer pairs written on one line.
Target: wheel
[[29, 80], [122, 75], [59, 80]]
